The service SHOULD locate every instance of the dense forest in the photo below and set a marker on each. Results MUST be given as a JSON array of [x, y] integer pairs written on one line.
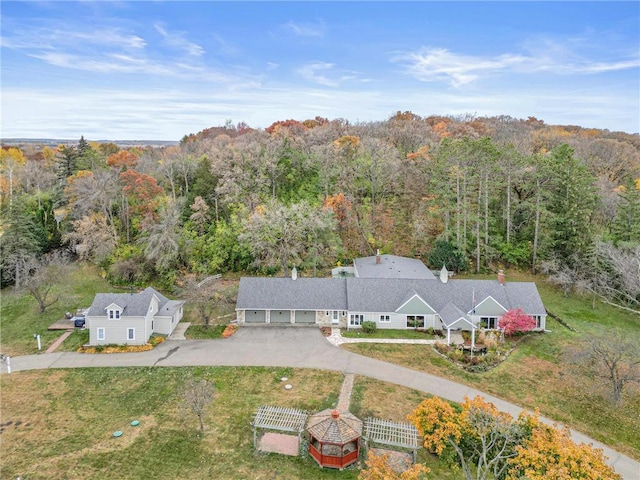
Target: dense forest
[[473, 193]]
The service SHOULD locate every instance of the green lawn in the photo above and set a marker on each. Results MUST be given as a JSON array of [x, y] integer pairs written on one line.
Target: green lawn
[[410, 334], [66, 427], [537, 374], [20, 318], [198, 332]]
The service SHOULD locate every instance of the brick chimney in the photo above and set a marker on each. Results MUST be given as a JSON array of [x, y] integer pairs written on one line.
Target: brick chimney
[[378, 257], [501, 277]]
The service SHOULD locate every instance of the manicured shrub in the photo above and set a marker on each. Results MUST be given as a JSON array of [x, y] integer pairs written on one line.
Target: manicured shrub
[[369, 327]]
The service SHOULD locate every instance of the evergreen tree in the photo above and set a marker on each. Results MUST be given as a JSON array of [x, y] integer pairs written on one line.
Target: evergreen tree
[[66, 161], [626, 225], [572, 203]]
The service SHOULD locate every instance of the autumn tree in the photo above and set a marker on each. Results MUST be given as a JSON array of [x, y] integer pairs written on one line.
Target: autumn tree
[[482, 438], [550, 454], [378, 468], [11, 161], [197, 395], [515, 321]]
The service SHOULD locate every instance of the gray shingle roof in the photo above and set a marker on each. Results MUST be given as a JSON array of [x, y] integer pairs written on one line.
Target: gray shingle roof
[[381, 294], [326, 428], [451, 314], [392, 266], [133, 304], [287, 294]]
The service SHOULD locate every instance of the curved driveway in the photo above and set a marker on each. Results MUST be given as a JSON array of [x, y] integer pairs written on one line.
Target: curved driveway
[[293, 347]]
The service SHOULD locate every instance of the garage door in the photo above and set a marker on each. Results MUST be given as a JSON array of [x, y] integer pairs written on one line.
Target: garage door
[[255, 316], [280, 316], [305, 316]]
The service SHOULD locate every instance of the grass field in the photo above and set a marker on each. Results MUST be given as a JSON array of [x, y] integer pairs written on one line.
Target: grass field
[[20, 318], [411, 334], [66, 425], [537, 374]]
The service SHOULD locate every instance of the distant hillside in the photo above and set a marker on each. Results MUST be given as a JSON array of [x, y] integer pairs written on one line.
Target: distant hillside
[[54, 142]]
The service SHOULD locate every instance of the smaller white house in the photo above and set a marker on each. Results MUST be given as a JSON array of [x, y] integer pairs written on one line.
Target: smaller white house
[[131, 318]]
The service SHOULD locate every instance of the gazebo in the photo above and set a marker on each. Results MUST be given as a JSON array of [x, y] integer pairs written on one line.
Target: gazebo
[[334, 438]]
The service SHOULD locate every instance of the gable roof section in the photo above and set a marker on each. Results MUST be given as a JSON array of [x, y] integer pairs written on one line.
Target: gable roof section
[[409, 299], [257, 293], [525, 295], [450, 314], [474, 309], [392, 266], [133, 305]]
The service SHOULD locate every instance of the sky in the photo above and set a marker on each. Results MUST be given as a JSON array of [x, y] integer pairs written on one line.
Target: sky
[[155, 70]]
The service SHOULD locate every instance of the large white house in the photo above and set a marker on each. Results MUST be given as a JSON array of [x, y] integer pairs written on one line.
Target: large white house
[[131, 318], [394, 292]]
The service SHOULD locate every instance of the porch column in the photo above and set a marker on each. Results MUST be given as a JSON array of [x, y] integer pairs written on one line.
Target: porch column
[[448, 336], [473, 338]]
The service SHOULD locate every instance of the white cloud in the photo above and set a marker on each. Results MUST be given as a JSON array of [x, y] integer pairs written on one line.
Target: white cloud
[[178, 40], [442, 65], [305, 29], [318, 72], [168, 114]]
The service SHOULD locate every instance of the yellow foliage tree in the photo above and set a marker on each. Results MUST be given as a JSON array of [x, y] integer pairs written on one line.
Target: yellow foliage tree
[[378, 468], [550, 454]]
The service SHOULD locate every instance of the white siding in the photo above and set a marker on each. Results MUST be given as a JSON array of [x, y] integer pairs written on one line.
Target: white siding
[[116, 330]]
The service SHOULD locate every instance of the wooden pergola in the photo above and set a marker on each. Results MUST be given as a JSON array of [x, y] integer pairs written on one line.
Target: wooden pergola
[[391, 434], [281, 419]]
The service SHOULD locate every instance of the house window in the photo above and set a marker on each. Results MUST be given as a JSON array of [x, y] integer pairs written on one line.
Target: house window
[[415, 321], [355, 320], [131, 333], [100, 334], [489, 323], [538, 319], [114, 314], [384, 318]]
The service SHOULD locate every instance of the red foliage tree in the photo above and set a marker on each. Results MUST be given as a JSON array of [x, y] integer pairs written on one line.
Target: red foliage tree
[[516, 321]]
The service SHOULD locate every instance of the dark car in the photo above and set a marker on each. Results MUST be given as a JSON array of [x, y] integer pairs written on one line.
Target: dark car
[[79, 321]]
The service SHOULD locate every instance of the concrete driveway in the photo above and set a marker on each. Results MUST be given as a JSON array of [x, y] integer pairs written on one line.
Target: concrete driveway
[[301, 347]]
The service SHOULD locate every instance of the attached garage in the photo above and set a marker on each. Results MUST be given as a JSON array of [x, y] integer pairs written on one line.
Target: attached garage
[[255, 316], [305, 316], [280, 316]]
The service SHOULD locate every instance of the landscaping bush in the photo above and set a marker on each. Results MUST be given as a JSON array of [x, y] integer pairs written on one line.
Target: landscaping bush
[[369, 327]]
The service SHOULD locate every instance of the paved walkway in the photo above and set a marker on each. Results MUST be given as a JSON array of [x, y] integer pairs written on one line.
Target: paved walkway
[[344, 400], [337, 339], [54, 346], [298, 348], [179, 331]]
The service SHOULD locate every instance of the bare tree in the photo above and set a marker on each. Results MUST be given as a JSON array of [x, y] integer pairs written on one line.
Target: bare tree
[[197, 395], [41, 274], [614, 358], [206, 295]]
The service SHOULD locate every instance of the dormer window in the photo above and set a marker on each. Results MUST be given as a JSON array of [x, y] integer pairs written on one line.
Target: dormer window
[[114, 312]]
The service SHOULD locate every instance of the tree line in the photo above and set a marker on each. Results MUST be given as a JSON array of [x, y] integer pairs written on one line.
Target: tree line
[[474, 193]]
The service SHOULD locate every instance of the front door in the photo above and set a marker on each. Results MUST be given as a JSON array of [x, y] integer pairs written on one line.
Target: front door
[[335, 319], [415, 321]]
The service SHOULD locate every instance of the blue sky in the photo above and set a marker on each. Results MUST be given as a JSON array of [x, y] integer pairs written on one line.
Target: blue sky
[[160, 70]]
